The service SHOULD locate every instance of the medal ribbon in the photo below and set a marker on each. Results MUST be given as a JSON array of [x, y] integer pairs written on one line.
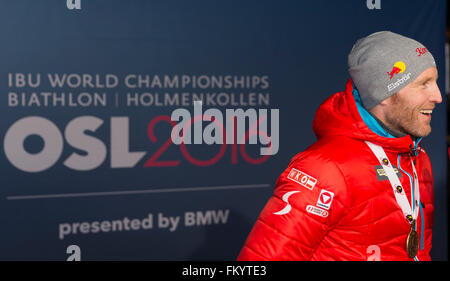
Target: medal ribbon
[[409, 211]]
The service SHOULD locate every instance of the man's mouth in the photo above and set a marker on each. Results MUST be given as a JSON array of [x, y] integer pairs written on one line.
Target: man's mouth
[[426, 112]]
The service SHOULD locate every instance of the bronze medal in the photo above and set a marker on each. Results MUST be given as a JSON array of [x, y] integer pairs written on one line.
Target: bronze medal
[[412, 242]]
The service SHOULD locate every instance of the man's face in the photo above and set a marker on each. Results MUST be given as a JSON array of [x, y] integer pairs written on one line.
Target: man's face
[[409, 110]]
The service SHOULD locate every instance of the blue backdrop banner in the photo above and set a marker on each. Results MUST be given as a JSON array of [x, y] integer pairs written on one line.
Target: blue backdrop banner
[[96, 96]]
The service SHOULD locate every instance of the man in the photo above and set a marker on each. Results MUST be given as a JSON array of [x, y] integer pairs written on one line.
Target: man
[[364, 190]]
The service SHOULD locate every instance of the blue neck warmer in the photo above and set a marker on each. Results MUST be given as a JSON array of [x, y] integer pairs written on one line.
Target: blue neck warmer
[[371, 122], [368, 118]]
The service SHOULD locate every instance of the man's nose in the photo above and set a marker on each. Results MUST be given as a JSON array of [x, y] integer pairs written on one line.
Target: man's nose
[[436, 96]]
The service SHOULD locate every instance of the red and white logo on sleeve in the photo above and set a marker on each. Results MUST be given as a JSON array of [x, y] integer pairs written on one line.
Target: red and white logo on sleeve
[[302, 178], [325, 199]]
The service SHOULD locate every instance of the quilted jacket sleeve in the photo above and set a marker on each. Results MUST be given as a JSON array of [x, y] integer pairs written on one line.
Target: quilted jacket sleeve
[[308, 201]]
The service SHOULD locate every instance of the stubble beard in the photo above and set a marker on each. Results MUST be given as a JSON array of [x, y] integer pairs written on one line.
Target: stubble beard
[[406, 120]]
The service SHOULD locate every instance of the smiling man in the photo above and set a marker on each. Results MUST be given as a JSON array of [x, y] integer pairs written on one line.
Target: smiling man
[[364, 190], [409, 111]]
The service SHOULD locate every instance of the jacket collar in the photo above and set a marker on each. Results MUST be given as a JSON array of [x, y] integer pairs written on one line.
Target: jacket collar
[[375, 124], [340, 115]]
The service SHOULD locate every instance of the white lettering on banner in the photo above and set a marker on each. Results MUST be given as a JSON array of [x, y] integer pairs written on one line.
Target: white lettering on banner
[[147, 99], [218, 90], [20, 80], [95, 148], [53, 99], [75, 80], [138, 81], [200, 218], [25, 161], [28, 90], [170, 223], [159, 221], [75, 135], [196, 81], [18, 99], [121, 157]]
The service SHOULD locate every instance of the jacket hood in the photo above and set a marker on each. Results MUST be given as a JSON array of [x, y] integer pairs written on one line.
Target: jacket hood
[[338, 115]]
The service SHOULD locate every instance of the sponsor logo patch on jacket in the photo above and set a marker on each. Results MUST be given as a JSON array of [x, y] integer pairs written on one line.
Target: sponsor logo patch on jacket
[[325, 199], [316, 211], [302, 178], [381, 174], [288, 206]]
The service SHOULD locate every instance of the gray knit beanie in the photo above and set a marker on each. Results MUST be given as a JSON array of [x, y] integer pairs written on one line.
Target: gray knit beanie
[[383, 63]]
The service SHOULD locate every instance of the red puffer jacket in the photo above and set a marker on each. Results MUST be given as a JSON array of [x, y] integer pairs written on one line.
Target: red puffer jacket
[[334, 201]]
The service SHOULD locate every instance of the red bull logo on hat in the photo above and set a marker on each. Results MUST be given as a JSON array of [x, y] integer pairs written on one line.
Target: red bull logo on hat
[[399, 67]]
